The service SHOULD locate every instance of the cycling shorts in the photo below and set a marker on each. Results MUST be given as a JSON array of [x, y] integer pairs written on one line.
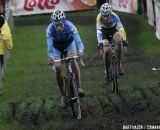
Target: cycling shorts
[[57, 52], [107, 33]]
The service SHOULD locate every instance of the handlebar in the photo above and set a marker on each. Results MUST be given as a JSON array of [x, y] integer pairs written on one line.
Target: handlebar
[[69, 58]]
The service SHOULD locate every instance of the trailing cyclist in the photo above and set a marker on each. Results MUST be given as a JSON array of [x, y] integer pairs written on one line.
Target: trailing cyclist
[[62, 35], [110, 27]]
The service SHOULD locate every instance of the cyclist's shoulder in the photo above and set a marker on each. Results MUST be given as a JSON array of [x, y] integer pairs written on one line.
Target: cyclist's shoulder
[[114, 15], [98, 18], [71, 26], [69, 23], [49, 29], [50, 26]]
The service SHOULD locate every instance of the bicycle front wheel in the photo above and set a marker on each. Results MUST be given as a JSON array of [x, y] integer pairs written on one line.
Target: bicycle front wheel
[[75, 100], [114, 76]]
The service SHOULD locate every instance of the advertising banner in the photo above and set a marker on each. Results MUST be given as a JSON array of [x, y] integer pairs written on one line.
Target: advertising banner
[[150, 12], [128, 6], [157, 13], [27, 7]]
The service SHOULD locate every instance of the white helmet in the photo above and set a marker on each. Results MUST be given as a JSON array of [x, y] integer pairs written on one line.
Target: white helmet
[[105, 9], [58, 16]]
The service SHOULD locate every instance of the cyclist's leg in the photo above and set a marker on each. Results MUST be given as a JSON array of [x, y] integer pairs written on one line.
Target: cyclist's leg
[[71, 49], [118, 39], [106, 60], [59, 77]]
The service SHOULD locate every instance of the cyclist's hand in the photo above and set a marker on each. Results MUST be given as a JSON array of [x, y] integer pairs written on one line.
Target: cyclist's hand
[[100, 45], [81, 55], [50, 60]]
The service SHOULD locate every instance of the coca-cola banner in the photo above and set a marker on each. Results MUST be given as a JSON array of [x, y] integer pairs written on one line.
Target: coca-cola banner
[[25, 7], [129, 6], [157, 13], [150, 12]]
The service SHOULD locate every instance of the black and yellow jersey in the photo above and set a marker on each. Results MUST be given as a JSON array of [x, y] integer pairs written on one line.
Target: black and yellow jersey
[[113, 20]]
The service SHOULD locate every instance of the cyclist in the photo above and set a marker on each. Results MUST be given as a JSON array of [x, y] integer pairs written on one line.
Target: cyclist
[[110, 27], [62, 35]]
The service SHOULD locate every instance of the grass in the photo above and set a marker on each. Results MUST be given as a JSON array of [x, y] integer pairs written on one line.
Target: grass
[[29, 79]]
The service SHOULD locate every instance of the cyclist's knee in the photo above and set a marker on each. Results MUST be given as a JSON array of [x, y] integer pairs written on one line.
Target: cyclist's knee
[[72, 54], [105, 42], [119, 42], [106, 47], [117, 37]]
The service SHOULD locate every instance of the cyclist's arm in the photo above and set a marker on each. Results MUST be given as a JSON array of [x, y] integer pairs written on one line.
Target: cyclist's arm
[[120, 26], [49, 43], [76, 37], [117, 20], [99, 33], [78, 42], [123, 33], [99, 28]]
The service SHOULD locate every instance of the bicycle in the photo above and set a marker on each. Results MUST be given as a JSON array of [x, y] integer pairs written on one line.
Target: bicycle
[[71, 95], [113, 69]]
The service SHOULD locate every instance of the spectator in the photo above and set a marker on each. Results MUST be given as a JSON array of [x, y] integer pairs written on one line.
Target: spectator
[[5, 41]]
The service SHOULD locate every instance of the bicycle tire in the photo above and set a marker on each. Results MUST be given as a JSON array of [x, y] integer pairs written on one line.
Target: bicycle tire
[[69, 93], [74, 100], [114, 76]]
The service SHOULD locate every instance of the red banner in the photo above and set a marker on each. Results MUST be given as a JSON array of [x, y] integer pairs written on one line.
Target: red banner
[[25, 7]]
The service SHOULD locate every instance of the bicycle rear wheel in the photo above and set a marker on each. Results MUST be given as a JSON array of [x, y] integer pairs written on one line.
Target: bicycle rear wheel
[[114, 76], [74, 100]]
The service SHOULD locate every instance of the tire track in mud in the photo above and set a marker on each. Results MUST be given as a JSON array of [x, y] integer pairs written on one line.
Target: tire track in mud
[[89, 108], [155, 91], [114, 105], [143, 95]]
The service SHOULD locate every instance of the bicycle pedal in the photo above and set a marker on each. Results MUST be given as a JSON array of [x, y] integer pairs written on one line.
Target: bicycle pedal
[[73, 99]]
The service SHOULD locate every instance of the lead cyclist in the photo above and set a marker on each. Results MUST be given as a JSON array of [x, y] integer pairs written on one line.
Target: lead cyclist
[[109, 27], [63, 35]]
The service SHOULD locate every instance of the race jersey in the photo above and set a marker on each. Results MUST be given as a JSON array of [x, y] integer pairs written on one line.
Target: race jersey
[[69, 31], [113, 20]]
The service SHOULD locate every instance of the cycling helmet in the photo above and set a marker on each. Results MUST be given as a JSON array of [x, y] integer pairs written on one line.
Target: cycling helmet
[[105, 9], [58, 16]]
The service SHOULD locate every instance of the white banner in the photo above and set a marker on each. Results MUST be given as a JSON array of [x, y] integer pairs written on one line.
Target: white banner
[[25, 7], [150, 12], [157, 13], [129, 6]]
